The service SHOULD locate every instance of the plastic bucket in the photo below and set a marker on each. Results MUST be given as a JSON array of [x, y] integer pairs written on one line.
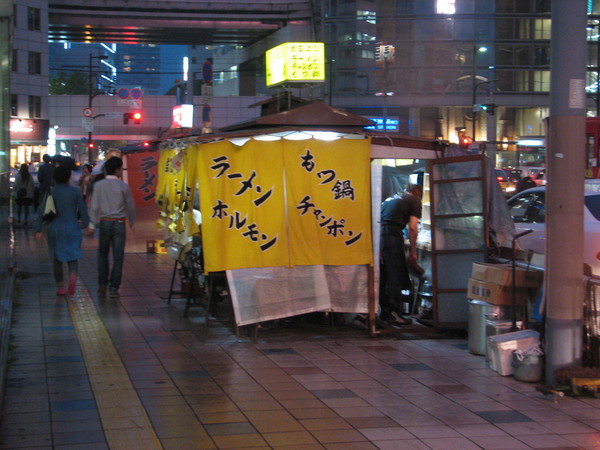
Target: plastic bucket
[[528, 367]]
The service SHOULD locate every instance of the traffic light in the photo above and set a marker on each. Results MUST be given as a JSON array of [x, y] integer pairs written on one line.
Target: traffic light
[[465, 141], [90, 145], [136, 116], [489, 108]]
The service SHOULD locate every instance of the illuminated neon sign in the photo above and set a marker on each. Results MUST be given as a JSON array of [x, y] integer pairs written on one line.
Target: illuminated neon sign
[[296, 62], [387, 124]]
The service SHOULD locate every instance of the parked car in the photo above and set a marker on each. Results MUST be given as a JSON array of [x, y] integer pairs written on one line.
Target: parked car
[[540, 177], [508, 187], [528, 211]]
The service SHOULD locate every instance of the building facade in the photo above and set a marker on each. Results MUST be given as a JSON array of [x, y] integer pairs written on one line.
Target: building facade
[[438, 69], [28, 93]]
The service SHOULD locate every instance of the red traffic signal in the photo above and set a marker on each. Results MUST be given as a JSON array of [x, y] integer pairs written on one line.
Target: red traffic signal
[[90, 145], [465, 141], [136, 116]]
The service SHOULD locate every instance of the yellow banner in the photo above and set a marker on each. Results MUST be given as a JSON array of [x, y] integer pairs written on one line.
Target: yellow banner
[[242, 205], [171, 185], [329, 201]]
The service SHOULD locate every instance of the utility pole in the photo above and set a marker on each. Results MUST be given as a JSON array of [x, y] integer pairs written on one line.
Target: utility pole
[[91, 95], [563, 277]]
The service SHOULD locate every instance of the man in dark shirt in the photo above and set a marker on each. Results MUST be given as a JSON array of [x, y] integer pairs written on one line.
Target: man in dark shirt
[[45, 175], [395, 285]]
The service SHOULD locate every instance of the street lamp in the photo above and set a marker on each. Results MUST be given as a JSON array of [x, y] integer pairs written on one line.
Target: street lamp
[[476, 49], [91, 95]]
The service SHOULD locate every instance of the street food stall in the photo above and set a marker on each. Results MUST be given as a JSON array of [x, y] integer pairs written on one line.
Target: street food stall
[[287, 207]]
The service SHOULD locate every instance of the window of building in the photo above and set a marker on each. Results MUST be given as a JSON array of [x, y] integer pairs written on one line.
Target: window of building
[[541, 80], [404, 30], [405, 6], [541, 55], [504, 55], [14, 63], [366, 54], [437, 80], [542, 28], [35, 63], [33, 18], [523, 55], [445, 6], [593, 6], [506, 80], [439, 55], [368, 16], [14, 105], [522, 81], [404, 55], [443, 29], [543, 6], [591, 82], [35, 107], [514, 6], [406, 80]]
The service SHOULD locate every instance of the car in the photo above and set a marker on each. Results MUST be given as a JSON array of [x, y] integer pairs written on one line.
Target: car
[[508, 187], [540, 177], [528, 211]]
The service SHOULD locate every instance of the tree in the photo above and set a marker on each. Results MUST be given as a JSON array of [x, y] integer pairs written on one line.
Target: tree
[[75, 83]]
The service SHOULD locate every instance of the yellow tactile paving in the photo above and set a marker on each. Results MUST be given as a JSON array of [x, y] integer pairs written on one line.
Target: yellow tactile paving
[[124, 419]]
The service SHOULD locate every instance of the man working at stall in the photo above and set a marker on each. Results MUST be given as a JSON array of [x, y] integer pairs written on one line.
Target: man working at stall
[[397, 213]]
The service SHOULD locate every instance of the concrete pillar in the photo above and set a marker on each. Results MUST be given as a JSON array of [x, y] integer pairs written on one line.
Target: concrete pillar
[[564, 197], [414, 121], [5, 12]]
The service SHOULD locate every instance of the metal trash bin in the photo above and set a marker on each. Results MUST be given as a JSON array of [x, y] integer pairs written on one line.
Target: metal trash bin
[[479, 313]]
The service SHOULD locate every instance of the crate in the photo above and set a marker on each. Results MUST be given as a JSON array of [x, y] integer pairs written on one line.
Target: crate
[[500, 348], [502, 274]]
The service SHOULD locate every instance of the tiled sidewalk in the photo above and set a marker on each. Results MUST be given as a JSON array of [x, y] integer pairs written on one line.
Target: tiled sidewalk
[[132, 373]]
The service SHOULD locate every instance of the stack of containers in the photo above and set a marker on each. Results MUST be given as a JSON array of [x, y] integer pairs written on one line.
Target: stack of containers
[[490, 291]]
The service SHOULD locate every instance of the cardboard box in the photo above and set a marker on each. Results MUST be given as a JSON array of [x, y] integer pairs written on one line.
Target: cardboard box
[[500, 348], [502, 274], [495, 294]]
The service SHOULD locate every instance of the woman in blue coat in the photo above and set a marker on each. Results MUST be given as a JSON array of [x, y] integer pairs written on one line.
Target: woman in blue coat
[[64, 232]]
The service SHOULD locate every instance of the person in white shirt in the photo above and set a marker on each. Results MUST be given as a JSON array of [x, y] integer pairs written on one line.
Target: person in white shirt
[[112, 205]]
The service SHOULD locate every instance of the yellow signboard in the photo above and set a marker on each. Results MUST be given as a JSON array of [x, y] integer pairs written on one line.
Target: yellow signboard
[[296, 62], [284, 203]]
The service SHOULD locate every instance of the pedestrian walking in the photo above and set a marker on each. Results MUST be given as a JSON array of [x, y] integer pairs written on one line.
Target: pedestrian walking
[[85, 182], [24, 192], [112, 204], [45, 178], [64, 232]]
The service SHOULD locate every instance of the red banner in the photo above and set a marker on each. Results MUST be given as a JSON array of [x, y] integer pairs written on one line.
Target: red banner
[[142, 175]]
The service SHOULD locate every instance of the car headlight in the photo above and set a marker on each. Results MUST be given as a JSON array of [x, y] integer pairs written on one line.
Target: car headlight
[[510, 189]]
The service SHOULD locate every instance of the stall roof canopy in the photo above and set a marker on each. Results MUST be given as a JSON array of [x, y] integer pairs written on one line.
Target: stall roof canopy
[[315, 115]]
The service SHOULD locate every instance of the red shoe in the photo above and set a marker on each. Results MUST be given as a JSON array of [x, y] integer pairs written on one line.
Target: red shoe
[[72, 284]]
